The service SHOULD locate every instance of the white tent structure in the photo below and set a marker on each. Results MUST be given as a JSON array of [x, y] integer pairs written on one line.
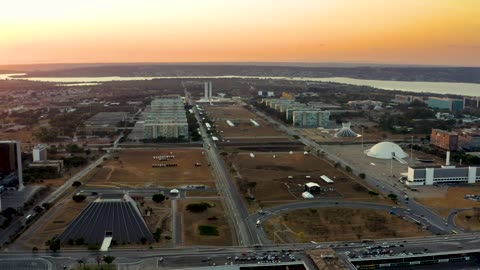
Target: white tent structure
[[386, 150], [307, 195], [346, 131]]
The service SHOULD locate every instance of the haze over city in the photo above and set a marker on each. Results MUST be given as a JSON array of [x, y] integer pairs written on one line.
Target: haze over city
[[239, 135], [427, 32]]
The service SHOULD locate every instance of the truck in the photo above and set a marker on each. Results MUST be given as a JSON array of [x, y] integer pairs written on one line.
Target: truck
[[258, 223]]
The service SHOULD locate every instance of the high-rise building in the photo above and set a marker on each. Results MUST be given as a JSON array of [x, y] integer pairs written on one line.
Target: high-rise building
[[11, 174], [206, 89], [210, 90], [444, 139], [39, 153]]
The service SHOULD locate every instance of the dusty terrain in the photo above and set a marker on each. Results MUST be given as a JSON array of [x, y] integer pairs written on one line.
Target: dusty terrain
[[468, 220], [272, 181], [213, 216], [339, 224], [133, 168], [451, 199], [243, 128]]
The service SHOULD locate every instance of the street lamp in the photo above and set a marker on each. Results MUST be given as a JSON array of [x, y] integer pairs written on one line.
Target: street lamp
[[362, 138], [411, 150]]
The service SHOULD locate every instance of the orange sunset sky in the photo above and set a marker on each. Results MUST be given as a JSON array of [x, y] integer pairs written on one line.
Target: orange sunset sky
[[438, 32]]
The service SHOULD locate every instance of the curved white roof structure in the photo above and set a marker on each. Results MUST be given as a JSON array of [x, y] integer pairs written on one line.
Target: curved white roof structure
[[346, 131], [386, 150]]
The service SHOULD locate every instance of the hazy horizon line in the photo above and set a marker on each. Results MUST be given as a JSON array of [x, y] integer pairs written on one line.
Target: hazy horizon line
[[245, 63]]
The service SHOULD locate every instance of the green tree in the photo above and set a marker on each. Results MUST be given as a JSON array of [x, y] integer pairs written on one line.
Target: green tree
[[392, 196], [158, 198], [108, 259], [76, 184], [53, 244], [79, 198]]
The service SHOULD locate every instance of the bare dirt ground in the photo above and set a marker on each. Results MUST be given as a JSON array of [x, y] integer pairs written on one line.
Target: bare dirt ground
[[243, 128], [133, 168], [202, 193], [468, 220], [338, 224], [213, 216], [451, 199], [160, 217], [272, 181]]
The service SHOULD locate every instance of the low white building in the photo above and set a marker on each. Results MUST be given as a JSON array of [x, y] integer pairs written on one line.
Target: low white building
[[419, 176]]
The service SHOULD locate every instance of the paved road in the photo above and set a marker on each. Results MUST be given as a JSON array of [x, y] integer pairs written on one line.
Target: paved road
[[177, 226], [236, 208], [25, 264], [416, 208], [173, 256], [453, 214]]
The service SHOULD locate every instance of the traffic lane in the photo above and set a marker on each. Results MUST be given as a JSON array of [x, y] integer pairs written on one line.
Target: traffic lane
[[25, 264]]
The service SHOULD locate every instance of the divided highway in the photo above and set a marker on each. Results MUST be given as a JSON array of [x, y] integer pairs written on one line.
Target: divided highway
[[246, 235]]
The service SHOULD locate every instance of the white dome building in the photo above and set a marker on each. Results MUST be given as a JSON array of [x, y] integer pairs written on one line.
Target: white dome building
[[386, 150]]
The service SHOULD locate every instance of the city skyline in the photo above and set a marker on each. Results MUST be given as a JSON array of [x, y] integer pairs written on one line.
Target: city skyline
[[384, 32]]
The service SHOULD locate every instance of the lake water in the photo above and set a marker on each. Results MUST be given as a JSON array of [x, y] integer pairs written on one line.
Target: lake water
[[467, 89]]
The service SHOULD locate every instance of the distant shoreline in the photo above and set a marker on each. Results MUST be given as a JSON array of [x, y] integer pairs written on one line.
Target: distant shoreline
[[453, 88]]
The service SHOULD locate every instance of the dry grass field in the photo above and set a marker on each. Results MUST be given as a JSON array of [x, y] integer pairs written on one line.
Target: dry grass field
[[243, 128], [272, 181], [57, 224], [452, 199], [468, 220], [338, 224], [213, 216], [133, 168]]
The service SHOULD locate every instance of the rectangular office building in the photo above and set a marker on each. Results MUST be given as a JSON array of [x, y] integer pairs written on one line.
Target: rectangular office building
[[444, 139], [418, 176], [11, 174], [311, 119], [166, 119], [453, 105]]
